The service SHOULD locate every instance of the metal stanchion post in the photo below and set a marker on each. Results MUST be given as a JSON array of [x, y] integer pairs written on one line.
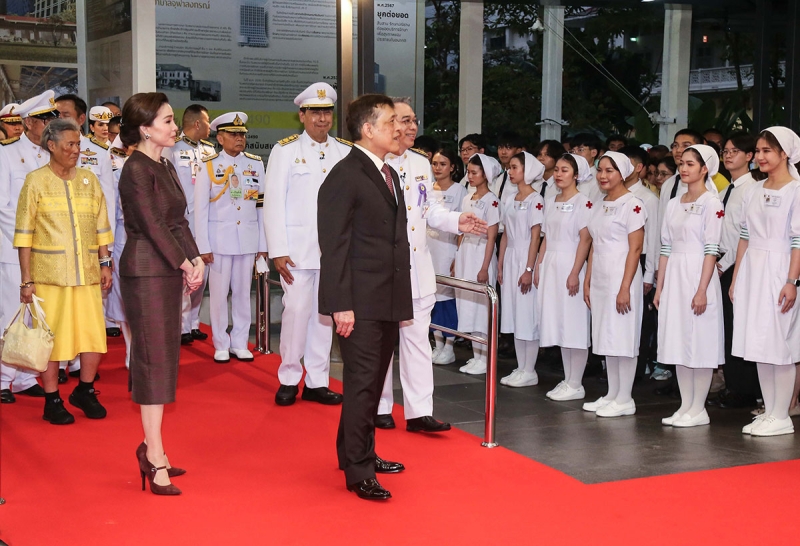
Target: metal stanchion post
[[491, 370], [262, 314]]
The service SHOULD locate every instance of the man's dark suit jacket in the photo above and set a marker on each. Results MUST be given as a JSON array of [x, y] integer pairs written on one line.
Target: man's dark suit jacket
[[365, 264]]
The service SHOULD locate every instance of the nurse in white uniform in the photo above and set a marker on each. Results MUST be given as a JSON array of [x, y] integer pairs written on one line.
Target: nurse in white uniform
[[442, 245], [560, 274], [688, 295], [475, 259], [523, 217], [765, 279], [613, 285]]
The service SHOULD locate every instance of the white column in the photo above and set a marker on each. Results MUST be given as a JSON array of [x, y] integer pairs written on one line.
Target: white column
[[143, 25], [470, 73], [80, 17], [675, 72], [552, 71]]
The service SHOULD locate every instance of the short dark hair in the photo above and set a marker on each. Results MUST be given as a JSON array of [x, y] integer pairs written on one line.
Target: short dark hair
[[139, 110], [669, 163], [458, 170], [79, 103], [552, 148], [617, 138], [192, 112], [697, 137], [476, 138], [744, 142], [512, 139], [363, 110], [426, 143], [635, 152], [110, 103], [714, 130], [114, 121], [586, 139]]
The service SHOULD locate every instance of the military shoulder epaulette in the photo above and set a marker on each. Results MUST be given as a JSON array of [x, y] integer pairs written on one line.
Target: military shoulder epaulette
[[252, 156], [288, 140], [345, 142], [418, 151], [209, 158], [118, 151], [207, 143], [8, 141], [178, 138], [100, 143]]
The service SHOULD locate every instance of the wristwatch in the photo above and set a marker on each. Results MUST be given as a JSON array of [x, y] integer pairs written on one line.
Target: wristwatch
[[529, 269], [795, 282]]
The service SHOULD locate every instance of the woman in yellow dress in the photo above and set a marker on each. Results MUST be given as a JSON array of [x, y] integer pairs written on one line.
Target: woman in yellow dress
[[62, 233]]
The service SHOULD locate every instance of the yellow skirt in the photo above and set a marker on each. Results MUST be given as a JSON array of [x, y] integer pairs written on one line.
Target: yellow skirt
[[75, 316]]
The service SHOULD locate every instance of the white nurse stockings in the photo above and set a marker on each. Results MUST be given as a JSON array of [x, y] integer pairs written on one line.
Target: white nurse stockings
[[693, 384], [621, 373], [527, 353], [777, 385], [574, 365]]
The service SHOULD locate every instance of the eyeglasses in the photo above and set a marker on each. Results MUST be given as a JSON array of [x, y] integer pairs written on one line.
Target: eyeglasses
[[582, 149], [410, 122], [663, 174], [730, 152], [467, 149]]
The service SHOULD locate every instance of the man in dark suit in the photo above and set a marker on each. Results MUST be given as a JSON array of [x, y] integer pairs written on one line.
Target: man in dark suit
[[364, 280]]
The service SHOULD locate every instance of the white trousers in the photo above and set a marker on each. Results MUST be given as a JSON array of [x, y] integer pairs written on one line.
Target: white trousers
[[11, 378], [416, 370], [190, 307], [232, 274], [304, 332]]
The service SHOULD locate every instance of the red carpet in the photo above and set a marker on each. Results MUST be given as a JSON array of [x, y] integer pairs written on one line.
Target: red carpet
[[260, 474]]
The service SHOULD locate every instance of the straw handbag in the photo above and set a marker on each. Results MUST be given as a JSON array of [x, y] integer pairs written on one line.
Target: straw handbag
[[27, 348]]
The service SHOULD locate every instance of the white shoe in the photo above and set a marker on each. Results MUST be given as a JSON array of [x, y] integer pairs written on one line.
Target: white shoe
[[241, 354], [772, 426], [478, 368], [222, 357], [556, 389], [612, 409], [596, 405], [668, 421], [435, 352], [568, 393], [747, 429], [509, 377], [471, 363], [524, 379], [444, 356], [686, 421]]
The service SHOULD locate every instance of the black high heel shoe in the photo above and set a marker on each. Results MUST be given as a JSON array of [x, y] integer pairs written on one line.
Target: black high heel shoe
[[141, 455]]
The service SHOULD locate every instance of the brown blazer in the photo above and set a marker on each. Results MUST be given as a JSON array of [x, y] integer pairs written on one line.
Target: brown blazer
[[153, 203]]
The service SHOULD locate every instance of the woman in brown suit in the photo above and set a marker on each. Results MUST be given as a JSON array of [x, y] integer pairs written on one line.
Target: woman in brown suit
[[159, 260]]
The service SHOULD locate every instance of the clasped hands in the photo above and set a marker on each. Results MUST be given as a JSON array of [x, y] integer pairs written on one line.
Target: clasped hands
[[193, 274]]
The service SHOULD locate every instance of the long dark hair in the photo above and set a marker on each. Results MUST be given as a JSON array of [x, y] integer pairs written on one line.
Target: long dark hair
[[456, 168]]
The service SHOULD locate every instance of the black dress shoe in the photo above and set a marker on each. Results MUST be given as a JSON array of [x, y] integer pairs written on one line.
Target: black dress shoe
[[197, 334], [323, 395], [7, 397], [186, 339], [62, 377], [387, 467], [113, 332], [384, 421], [77, 373], [87, 401], [369, 489], [426, 424], [734, 400], [35, 390], [56, 413], [286, 395]]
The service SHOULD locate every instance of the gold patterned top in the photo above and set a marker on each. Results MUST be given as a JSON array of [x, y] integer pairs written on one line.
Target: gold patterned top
[[64, 223]]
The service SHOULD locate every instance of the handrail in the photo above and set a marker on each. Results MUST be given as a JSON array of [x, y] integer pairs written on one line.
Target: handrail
[[263, 319]]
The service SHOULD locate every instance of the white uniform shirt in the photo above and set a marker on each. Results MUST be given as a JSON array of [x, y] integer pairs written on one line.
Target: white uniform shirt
[[509, 191], [187, 158], [652, 230], [231, 224], [443, 245], [546, 188], [666, 195], [94, 156], [734, 216], [416, 181], [591, 189], [118, 158], [17, 159], [295, 171]]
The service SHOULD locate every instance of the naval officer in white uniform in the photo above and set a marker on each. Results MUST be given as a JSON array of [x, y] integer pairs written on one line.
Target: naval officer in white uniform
[[229, 231], [416, 369], [296, 169], [187, 156], [18, 157]]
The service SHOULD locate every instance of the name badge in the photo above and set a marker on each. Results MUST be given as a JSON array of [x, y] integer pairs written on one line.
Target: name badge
[[521, 205], [695, 209], [567, 207], [236, 193], [448, 199], [480, 205], [185, 155], [772, 200], [609, 211]]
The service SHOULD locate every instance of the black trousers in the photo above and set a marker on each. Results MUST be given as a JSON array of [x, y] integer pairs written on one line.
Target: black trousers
[[648, 345], [741, 376], [366, 355]]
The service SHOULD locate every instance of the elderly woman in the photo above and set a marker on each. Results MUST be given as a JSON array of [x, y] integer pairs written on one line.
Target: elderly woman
[[62, 233]]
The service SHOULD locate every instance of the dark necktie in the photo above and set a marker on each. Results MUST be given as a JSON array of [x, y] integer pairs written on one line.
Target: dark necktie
[[727, 196], [387, 175], [544, 188]]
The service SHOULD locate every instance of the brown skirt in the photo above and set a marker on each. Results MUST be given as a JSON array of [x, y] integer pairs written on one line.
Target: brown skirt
[[153, 309]]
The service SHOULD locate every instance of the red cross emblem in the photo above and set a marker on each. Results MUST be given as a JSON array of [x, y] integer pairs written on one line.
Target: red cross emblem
[[494, 204], [539, 206], [637, 209], [588, 204], [720, 213]]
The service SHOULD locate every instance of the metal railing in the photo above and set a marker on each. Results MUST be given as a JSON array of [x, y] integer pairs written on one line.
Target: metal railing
[[263, 319]]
